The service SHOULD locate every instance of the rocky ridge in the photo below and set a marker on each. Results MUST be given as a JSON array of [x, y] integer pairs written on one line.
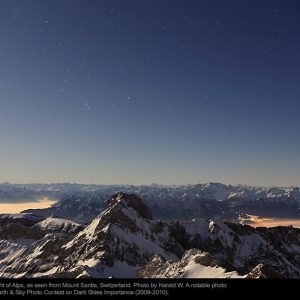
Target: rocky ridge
[[125, 241]]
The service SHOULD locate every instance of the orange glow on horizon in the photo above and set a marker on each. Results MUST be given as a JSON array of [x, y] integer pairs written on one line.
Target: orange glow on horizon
[[276, 222], [13, 208]]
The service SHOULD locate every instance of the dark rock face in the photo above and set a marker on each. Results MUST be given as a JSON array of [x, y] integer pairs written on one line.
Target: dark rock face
[[119, 203], [262, 271], [153, 267], [17, 231], [179, 234], [205, 260], [21, 226], [112, 237], [23, 219], [124, 236], [133, 201], [158, 267]]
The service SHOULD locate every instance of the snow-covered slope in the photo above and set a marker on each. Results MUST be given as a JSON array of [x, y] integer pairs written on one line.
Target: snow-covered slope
[[58, 225], [212, 201], [117, 241], [124, 238], [193, 264]]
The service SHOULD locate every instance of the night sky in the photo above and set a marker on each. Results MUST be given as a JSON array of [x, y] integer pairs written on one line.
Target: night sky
[[169, 91]]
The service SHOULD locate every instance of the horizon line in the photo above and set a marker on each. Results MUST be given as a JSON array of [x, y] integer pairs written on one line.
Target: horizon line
[[148, 184]]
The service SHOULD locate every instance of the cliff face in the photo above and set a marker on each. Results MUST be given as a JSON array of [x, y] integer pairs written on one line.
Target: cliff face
[[124, 241]]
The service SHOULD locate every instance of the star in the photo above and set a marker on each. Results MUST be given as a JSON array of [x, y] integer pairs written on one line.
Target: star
[[14, 13], [86, 104]]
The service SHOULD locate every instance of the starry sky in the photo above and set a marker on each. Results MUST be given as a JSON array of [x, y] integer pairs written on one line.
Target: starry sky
[[165, 91]]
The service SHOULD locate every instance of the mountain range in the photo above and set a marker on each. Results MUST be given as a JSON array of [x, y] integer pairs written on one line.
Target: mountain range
[[125, 240], [82, 203]]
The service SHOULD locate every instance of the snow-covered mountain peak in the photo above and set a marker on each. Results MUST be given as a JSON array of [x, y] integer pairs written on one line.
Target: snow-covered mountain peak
[[124, 238], [123, 211], [52, 224], [129, 201], [193, 264]]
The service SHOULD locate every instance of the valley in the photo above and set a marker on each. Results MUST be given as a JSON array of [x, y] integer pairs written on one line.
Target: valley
[[125, 240]]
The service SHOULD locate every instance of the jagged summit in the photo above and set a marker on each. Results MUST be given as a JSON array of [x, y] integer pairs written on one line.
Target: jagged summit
[[193, 264], [263, 271], [123, 239], [130, 200]]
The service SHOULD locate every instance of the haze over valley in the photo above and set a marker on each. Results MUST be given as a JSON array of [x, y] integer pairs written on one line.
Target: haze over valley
[[257, 206]]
